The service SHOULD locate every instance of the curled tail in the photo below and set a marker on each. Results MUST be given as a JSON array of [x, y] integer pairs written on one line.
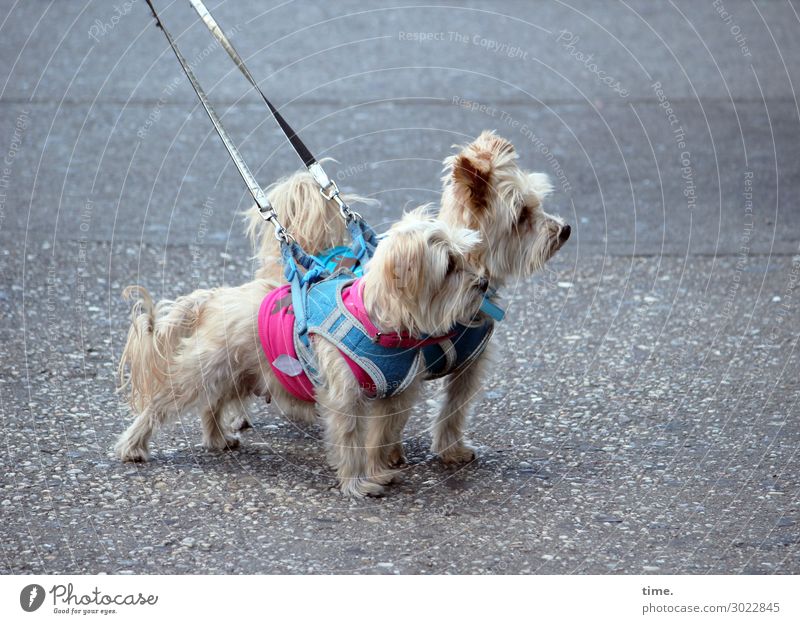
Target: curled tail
[[153, 339]]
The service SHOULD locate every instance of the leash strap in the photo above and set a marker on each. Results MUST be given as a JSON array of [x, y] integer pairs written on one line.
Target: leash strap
[[302, 151], [260, 197], [327, 187], [300, 268]]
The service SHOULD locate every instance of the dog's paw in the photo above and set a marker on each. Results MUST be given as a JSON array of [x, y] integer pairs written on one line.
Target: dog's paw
[[456, 454], [221, 443], [131, 453], [384, 477], [396, 456], [242, 425], [361, 488]]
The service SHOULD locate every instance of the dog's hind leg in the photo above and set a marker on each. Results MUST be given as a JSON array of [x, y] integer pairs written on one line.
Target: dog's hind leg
[[448, 425], [133, 443], [215, 430]]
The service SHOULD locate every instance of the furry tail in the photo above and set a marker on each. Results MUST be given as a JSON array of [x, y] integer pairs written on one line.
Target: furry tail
[[153, 338]]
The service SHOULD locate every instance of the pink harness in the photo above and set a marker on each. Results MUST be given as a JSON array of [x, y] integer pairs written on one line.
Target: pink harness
[[276, 331]]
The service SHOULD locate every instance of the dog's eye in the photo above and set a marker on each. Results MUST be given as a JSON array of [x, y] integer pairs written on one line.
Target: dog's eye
[[525, 215]]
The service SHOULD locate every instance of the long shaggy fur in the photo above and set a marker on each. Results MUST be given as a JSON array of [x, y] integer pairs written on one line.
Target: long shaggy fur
[[484, 189], [314, 221], [202, 352]]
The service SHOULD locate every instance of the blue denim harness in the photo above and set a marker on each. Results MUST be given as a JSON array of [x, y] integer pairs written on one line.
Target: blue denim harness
[[450, 354], [385, 365]]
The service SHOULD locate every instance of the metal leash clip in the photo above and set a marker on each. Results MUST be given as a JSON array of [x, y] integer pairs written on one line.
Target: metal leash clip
[[270, 216], [265, 208], [332, 192]]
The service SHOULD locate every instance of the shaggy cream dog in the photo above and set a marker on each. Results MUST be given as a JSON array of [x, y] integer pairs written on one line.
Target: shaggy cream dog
[[203, 351], [484, 189]]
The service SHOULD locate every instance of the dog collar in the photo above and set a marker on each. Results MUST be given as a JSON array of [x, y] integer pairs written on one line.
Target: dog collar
[[490, 308]]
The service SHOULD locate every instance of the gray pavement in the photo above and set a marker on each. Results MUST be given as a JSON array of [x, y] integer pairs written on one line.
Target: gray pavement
[[641, 416]]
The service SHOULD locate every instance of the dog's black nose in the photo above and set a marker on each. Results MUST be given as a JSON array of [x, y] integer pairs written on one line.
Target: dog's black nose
[[563, 235], [483, 284]]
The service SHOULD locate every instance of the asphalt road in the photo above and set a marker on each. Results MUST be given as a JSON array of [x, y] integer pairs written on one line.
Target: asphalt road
[[641, 416]]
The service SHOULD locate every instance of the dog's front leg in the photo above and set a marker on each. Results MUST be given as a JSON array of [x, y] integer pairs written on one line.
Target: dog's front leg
[[387, 419], [344, 414], [448, 425], [345, 439]]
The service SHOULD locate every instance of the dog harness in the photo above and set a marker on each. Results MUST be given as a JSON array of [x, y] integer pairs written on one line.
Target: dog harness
[[383, 363], [449, 354], [458, 351]]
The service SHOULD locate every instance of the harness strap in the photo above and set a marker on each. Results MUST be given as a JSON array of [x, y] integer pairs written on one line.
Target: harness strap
[[490, 308], [390, 340], [294, 258]]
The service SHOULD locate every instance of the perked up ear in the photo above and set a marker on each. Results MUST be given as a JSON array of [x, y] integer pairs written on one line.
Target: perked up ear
[[471, 176]]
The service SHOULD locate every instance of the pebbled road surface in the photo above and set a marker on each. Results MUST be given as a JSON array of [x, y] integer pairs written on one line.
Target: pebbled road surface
[[642, 412]]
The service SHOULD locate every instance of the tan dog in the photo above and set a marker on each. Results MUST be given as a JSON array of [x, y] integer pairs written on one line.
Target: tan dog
[[203, 351], [314, 221], [486, 190]]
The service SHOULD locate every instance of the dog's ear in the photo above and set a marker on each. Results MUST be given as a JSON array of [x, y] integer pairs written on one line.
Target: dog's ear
[[471, 170], [402, 268], [471, 179]]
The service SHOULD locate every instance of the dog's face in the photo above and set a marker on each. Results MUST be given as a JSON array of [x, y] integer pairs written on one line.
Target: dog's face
[[485, 190], [419, 279]]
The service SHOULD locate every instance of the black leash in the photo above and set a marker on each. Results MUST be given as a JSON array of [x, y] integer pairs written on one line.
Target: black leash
[[327, 186], [255, 189], [302, 151]]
